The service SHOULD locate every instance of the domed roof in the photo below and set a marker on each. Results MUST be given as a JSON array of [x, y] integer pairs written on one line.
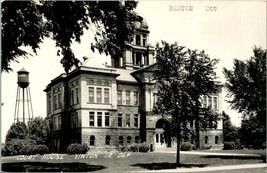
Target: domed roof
[[141, 21]]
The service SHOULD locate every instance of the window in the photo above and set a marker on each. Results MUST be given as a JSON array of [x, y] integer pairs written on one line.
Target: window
[[206, 139], [136, 139], [107, 141], [135, 98], [144, 39], [128, 120], [106, 119], [216, 139], [204, 102], [99, 119], [138, 39], [119, 97], [155, 98], [129, 139], [210, 102], [92, 140], [77, 119], [91, 94], [99, 95], [120, 140], [55, 102], [91, 119], [55, 123], [119, 120], [59, 122], [128, 98], [215, 104], [138, 57], [146, 61], [72, 97], [59, 100], [106, 95], [77, 96], [49, 104], [135, 120], [191, 124]]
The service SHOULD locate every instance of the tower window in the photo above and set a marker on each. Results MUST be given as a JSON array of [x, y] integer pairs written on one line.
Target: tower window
[[138, 40], [144, 40]]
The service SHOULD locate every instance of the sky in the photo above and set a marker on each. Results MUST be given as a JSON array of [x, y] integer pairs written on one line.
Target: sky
[[226, 30]]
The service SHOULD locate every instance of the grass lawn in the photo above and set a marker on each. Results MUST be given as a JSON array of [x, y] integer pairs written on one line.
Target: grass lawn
[[134, 162]]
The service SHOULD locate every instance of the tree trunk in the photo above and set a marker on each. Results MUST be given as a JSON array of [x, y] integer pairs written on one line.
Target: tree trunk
[[178, 145], [196, 112]]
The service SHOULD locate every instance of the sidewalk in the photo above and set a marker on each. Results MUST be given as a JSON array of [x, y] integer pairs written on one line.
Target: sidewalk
[[216, 168], [171, 150]]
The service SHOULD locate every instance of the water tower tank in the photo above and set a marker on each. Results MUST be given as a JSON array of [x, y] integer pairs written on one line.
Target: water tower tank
[[23, 78]]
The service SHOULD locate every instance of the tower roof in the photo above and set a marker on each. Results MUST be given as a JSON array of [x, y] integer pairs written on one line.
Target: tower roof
[[141, 22], [23, 71]]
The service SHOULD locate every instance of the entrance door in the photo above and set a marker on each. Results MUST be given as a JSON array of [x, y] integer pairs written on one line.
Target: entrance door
[[159, 139]]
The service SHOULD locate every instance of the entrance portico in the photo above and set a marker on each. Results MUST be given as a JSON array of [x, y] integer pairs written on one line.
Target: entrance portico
[[162, 137]]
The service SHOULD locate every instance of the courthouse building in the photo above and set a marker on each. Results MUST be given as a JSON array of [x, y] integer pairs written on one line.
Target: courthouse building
[[108, 106]]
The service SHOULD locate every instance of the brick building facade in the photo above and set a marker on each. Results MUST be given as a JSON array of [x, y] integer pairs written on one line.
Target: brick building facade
[[108, 106]]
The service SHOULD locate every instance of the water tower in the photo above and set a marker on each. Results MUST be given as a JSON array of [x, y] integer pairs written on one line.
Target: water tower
[[25, 100]]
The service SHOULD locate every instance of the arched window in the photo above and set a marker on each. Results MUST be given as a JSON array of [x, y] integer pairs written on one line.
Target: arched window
[[136, 139], [107, 140], [120, 140], [129, 139], [92, 140], [216, 139], [206, 139]]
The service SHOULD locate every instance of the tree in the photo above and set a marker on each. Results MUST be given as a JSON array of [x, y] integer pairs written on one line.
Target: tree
[[177, 75], [246, 86], [201, 73], [251, 134], [37, 130], [26, 23], [230, 132], [17, 130]]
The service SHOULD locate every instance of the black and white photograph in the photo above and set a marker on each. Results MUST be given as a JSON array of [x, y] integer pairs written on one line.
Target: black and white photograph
[[133, 86]]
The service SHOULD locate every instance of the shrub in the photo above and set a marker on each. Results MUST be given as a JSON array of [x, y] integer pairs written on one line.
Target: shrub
[[41, 149], [207, 147], [77, 148], [186, 146], [237, 144], [35, 149], [28, 149], [229, 145], [144, 147], [134, 147], [15, 146], [3, 149]]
